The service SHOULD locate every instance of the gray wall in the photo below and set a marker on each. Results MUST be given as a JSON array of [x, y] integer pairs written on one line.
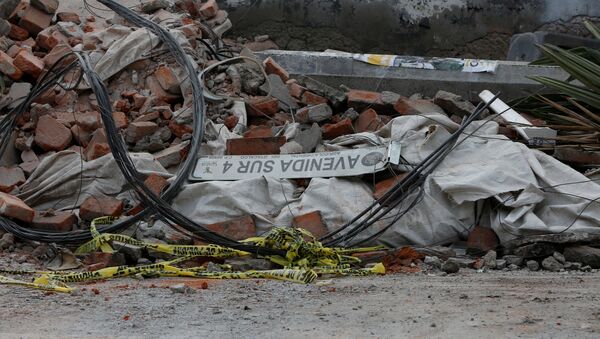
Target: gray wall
[[468, 28]]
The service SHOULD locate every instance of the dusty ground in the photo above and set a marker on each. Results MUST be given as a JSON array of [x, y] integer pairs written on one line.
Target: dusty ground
[[466, 305]]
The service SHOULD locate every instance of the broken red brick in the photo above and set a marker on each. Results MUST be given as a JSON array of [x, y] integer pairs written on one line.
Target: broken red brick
[[382, 187], [295, 89], [58, 52], [51, 135], [10, 177], [406, 106], [69, 17], [260, 107], [272, 67], [167, 79], [18, 33], [29, 63], [15, 208], [55, 221], [48, 6], [137, 130], [34, 20], [312, 222], [156, 89], [482, 240], [50, 38], [209, 9], [362, 100], [236, 229], [255, 146], [82, 137], [180, 130], [173, 155], [120, 119], [310, 98], [155, 183], [98, 146], [98, 260], [259, 132], [122, 105], [89, 121], [368, 121], [332, 131], [152, 116], [8, 67], [138, 101], [96, 207], [29, 167], [231, 121]]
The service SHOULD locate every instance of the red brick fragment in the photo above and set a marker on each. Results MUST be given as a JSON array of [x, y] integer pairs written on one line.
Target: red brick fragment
[[10, 177], [8, 67], [209, 9], [15, 208], [99, 260], [29, 63], [259, 132], [255, 146], [180, 129], [272, 67], [382, 187], [51, 135], [236, 229], [295, 89], [368, 121], [50, 38], [173, 155], [312, 222], [260, 107], [18, 33], [120, 119], [96, 207], [332, 131], [167, 79], [482, 240], [310, 98], [137, 130], [34, 20], [56, 221], [69, 17], [231, 121], [98, 146]]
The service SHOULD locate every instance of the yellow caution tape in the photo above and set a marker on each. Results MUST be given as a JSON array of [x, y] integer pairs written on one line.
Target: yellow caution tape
[[45, 286], [303, 262]]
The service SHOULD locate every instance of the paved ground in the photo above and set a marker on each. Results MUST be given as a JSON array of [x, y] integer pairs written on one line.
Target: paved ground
[[466, 305]]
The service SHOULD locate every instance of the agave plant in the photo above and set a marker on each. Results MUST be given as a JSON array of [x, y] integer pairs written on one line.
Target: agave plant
[[572, 106]]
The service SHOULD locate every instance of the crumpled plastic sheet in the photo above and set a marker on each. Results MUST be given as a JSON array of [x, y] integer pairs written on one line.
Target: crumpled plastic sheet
[[484, 167], [534, 190], [64, 180]]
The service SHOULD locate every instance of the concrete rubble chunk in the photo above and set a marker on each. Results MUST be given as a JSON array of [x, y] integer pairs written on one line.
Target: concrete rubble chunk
[[490, 260], [450, 267], [317, 113], [586, 255], [13, 207], [309, 138], [552, 265], [453, 104], [137, 130], [335, 96], [173, 155]]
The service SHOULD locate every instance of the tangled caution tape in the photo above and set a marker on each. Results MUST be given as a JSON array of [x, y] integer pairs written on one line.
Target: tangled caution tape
[[306, 259]]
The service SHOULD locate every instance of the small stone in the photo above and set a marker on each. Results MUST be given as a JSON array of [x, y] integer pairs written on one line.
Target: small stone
[[181, 288], [513, 260], [552, 265], [513, 267], [500, 264], [450, 267], [433, 262], [533, 265], [559, 257], [490, 260]]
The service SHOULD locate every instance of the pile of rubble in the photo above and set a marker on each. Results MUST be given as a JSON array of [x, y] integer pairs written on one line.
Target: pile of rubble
[[257, 107]]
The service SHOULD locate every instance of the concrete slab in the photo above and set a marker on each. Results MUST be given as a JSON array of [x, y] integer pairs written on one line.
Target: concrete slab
[[337, 69]]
